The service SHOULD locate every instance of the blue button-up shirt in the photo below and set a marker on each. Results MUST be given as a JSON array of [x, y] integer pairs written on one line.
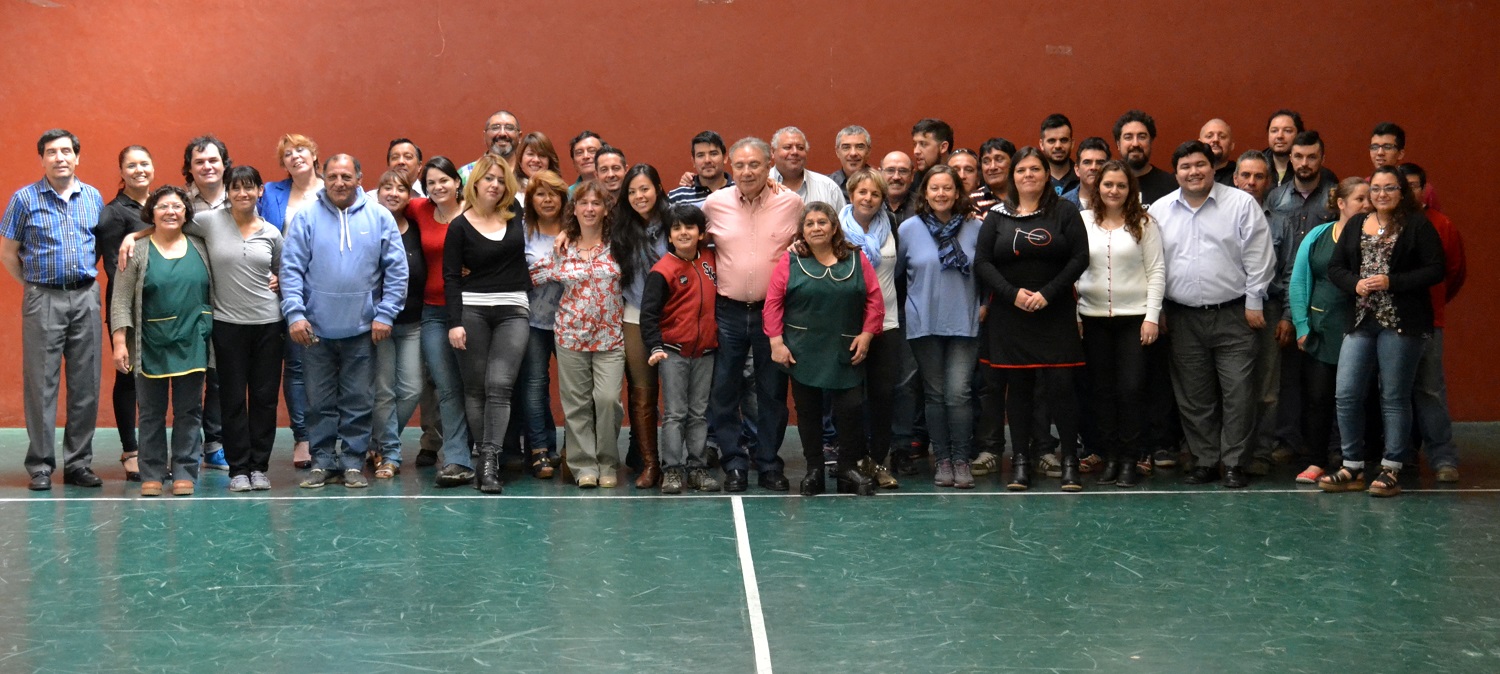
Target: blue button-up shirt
[[1217, 252], [56, 235]]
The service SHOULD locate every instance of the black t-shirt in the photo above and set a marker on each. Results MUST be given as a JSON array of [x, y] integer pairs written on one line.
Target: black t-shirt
[[121, 218], [1156, 184], [416, 266]]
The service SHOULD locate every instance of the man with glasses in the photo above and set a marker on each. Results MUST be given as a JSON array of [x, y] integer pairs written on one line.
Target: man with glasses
[[48, 247], [1388, 148], [502, 136]]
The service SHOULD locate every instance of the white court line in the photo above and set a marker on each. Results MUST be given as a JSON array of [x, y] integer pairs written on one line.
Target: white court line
[[45, 498], [752, 591]]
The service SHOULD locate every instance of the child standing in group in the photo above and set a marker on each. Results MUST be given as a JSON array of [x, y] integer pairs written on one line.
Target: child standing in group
[[679, 330]]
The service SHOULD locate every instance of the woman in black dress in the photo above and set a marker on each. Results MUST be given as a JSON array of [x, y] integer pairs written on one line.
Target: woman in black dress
[[1029, 255]]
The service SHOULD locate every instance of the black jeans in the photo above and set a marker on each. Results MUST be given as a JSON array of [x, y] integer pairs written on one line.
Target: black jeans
[[491, 362], [882, 377], [248, 359], [1117, 372], [1053, 386], [848, 412]]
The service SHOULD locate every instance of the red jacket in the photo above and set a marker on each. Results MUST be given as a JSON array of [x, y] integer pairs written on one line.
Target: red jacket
[[1456, 268], [677, 308]]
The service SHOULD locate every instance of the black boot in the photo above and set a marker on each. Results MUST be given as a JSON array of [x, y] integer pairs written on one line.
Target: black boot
[[1130, 475], [489, 470], [1070, 478], [812, 485], [851, 481], [1020, 472], [1111, 472]]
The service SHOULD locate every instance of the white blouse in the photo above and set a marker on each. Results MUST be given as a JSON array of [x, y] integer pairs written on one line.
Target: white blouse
[[1125, 277]]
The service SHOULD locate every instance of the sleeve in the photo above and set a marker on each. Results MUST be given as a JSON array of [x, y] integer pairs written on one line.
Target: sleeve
[[1156, 270], [1299, 288], [1260, 258], [1071, 226], [1343, 266], [122, 301], [990, 278], [652, 301], [393, 270], [295, 255], [1458, 266], [1429, 267], [775, 305], [14, 219], [278, 243], [874, 300], [453, 272]]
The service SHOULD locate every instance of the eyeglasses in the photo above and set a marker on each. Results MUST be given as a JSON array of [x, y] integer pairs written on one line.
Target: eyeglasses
[[1387, 147], [1387, 189], [503, 127], [170, 208]]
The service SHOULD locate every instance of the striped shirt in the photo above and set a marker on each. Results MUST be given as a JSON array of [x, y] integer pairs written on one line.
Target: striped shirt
[[694, 194], [56, 235]]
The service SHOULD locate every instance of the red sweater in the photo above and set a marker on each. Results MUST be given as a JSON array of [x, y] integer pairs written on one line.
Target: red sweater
[[1456, 268], [422, 211], [677, 307]]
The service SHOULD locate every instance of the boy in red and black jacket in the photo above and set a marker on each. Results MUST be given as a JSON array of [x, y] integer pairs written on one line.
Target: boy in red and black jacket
[[678, 327]]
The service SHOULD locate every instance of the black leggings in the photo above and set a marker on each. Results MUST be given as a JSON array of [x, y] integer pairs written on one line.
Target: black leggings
[[1054, 386], [1117, 372], [848, 412]]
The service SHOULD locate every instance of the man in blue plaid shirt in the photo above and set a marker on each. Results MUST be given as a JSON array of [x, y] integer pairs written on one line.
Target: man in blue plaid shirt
[[47, 244]]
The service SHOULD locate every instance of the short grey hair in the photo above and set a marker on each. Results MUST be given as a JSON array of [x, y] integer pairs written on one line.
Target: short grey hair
[[776, 137], [752, 141], [853, 130], [1251, 155]]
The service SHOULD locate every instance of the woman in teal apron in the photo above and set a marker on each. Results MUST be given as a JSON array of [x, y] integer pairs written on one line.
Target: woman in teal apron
[[162, 320], [822, 310]]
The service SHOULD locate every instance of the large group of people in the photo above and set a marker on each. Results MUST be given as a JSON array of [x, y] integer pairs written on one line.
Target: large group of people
[[1227, 313]]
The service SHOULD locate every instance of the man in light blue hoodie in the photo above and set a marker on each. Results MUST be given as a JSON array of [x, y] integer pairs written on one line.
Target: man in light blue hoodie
[[343, 280]]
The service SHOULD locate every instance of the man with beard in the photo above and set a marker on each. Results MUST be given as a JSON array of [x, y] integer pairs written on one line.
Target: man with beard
[[1217, 136], [1135, 131], [931, 141], [1218, 247], [502, 135], [1057, 144], [1092, 153], [205, 162], [1281, 129], [896, 168], [852, 144]]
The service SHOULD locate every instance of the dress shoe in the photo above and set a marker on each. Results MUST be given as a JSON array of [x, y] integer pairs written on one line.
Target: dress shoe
[[40, 481], [736, 480], [774, 480], [1235, 478], [815, 482], [1111, 472], [182, 487], [82, 477], [1020, 473], [851, 481], [1071, 481], [1202, 475], [1130, 475]]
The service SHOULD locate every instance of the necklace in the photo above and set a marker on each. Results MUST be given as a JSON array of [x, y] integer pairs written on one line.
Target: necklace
[[1381, 225], [827, 271]]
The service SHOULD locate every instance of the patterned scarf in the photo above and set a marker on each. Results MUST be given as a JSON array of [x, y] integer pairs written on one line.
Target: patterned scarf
[[871, 241], [946, 235]]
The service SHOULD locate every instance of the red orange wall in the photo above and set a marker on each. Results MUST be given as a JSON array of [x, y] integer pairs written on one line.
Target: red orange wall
[[648, 75]]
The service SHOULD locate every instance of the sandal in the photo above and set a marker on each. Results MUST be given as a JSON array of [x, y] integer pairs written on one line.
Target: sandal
[[1342, 480], [1310, 476], [131, 465], [385, 470], [1385, 486], [541, 465]]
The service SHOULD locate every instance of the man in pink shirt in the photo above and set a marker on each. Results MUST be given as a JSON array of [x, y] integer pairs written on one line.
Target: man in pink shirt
[[750, 225]]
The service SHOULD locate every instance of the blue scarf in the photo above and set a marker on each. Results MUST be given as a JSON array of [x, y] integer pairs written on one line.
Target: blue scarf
[[945, 234], [871, 241]]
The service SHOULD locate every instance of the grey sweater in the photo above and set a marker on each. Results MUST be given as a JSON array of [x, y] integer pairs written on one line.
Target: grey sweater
[[125, 303]]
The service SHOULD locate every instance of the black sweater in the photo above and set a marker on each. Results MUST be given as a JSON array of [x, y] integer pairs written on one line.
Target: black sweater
[[473, 263], [1416, 265]]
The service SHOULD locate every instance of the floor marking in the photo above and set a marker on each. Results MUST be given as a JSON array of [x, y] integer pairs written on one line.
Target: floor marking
[[752, 590], [48, 498]]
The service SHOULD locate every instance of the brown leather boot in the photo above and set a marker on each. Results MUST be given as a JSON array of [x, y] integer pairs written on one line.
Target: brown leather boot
[[643, 427]]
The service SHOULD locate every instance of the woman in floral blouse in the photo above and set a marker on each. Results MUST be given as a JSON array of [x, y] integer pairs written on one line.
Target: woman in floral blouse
[[590, 343]]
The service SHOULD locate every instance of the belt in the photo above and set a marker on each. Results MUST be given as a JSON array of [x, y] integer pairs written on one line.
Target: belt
[[748, 305], [75, 285], [1231, 304]]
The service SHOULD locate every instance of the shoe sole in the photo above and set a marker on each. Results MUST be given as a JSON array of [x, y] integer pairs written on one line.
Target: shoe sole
[[1341, 488], [1378, 492]]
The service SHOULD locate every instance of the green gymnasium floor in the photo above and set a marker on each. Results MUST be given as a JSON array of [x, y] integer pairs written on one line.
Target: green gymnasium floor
[[401, 577]]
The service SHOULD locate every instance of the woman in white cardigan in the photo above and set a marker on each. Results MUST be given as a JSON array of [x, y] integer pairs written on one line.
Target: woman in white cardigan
[[1119, 306]]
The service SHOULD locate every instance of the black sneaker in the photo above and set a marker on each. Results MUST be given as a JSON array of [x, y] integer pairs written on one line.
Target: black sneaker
[[701, 480], [426, 458], [454, 475], [671, 482], [354, 478], [315, 479]]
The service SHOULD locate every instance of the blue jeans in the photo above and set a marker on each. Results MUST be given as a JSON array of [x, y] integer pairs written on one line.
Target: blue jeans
[[741, 332], [398, 387], [946, 365], [1430, 400], [536, 393], [1367, 351], [340, 379], [442, 366], [294, 391]]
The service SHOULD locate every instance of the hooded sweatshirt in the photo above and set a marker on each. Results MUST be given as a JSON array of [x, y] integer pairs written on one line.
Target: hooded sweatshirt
[[343, 268]]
